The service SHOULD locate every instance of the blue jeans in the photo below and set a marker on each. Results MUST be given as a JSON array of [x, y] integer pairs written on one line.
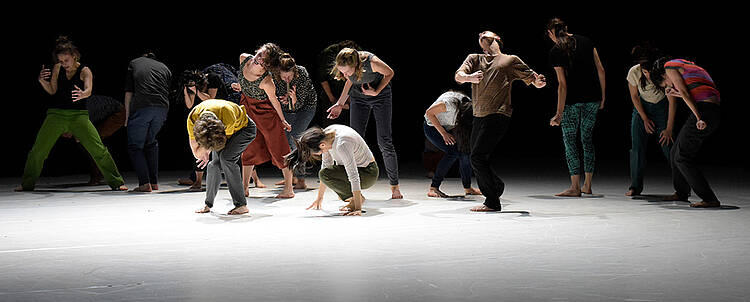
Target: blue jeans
[[451, 155], [299, 121], [143, 125]]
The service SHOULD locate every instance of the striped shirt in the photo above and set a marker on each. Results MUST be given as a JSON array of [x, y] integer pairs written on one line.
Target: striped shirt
[[699, 83]]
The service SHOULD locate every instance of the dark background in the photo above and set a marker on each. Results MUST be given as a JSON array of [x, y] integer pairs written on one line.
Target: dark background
[[423, 47]]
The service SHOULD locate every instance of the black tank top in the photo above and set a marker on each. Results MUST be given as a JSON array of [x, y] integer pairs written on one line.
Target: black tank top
[[63, 99]]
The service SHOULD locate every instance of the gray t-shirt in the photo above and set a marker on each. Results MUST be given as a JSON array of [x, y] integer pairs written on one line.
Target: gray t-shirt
[[148, 80], [447, 119], [349, 150], [369, 77]]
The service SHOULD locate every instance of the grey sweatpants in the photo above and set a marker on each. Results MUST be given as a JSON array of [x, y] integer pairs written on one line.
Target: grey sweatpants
[[226, 160]]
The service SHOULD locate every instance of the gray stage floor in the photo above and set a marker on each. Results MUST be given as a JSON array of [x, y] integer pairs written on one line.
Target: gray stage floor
[[88, 244]]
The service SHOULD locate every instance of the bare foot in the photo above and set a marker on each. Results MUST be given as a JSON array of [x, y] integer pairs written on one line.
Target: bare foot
[[247, 192], [239, 211], [435, 192], [706, 204], [196, 189], [472, 191], [155, 187], [120, 188], [585, 190], [353, 213], [396, 193], [20, 189], [569, 193], [483, 208], [300, 185], [259, 185], [285, 194], [204, 209], [279, 183], [142, 189], [184, 181], [632, 192], [675, 197]]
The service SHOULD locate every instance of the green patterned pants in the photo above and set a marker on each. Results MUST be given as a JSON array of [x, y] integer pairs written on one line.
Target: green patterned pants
[[579, 116]]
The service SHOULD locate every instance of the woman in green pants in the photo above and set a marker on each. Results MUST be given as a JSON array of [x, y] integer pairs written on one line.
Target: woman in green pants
[[70, 85], [580, 94], [653, 113], [347, 167]]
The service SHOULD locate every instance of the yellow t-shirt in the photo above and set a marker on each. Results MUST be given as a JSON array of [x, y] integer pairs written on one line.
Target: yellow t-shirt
[[232, 115]]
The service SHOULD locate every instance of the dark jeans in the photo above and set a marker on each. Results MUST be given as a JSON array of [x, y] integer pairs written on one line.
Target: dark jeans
[[143, 125], [486, 134], [658, 113], [382, 107], [225, 160], [685, 173], [451, 155]]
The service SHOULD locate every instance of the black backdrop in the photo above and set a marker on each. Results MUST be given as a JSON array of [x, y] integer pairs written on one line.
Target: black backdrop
[[424, 48]]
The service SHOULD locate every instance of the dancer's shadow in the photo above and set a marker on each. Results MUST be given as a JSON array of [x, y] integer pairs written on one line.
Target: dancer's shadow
[[689, 208], [366, 212], [217, 218], [389, 203], [459, 198], [553, 197], [466, 212]]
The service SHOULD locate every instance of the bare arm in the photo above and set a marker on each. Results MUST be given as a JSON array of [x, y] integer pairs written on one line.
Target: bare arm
[[431, 114], [562, 90], [676, 78], [128, 98], [189, 98], [382, 68], [88, 85], [602, 80], [49, 84], [344, 93], [270, 88]]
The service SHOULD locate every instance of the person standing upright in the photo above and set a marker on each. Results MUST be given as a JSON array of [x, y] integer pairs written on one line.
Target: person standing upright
[[146, 104]]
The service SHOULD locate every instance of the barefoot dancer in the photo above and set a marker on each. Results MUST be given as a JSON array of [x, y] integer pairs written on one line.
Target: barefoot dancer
[[684, 79], [444, 116], [577, 66], [259, 99], [491, 75], [348, 165], [223, 129], [146, 107], [653, 114], [298, 101], [70, 85], [368, 84]]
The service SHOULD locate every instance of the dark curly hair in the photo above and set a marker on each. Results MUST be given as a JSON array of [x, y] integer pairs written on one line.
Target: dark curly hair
[[209, 132], [272, 59], [464, 122], [657, 72]]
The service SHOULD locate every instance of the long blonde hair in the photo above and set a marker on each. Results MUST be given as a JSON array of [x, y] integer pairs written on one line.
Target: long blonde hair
[[348, 57]]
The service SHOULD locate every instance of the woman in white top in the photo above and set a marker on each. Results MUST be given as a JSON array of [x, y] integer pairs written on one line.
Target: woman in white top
[[348, 165], [444, 116], [653, 113]]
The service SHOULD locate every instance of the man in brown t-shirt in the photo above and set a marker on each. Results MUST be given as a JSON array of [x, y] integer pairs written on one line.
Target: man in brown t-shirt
[[491, 76]]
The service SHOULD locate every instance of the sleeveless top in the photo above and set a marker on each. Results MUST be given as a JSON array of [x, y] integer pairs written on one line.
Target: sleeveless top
[[699, 83], [252, 89], [369, 77], [63, 98]]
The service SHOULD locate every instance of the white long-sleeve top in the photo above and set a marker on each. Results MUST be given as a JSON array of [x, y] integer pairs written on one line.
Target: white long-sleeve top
[[349, 150]]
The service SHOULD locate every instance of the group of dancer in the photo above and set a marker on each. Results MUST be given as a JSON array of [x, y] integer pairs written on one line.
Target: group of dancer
[[243, 117]]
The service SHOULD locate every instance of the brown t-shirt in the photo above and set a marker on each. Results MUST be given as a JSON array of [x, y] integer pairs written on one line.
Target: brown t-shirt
[[492, 94]]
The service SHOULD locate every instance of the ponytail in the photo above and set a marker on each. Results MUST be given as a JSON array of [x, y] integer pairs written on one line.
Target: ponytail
[[302, 156], [560, 31]]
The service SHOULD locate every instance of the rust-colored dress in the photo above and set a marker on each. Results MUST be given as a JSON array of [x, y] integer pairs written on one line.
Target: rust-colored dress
[[270, 141]]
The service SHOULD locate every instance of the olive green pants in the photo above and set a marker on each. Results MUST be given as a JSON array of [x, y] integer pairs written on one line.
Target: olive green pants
[[335, 177], [57, 122]]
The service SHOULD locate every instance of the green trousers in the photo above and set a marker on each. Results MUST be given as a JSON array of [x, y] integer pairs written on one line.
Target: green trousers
[[579, 117], [335, 177], [77, 122]]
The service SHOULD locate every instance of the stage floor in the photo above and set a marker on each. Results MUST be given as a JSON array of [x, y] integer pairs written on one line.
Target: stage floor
[[67, 243]]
